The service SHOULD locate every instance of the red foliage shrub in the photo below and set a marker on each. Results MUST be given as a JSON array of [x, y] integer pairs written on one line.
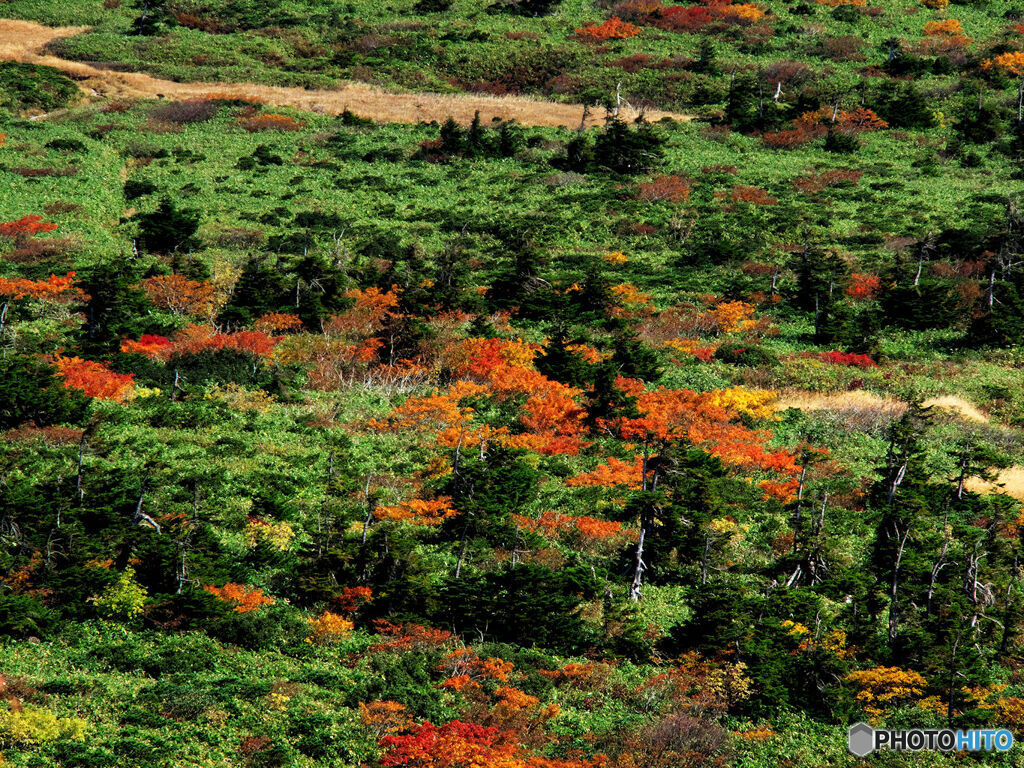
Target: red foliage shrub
[[864, 287], [672, 189], [633, 63], [683, 18], [744, 194], [815, 181], [25, 227], [847, 358]]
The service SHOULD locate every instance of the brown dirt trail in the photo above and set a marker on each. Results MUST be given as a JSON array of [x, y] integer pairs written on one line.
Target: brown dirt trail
[[24, 41]]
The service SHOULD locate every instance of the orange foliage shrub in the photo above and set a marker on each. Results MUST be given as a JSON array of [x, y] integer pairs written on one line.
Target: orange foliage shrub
[[271, 122], [95, 379], [26, 227], [351, 598], [613, 29], [372, 308], [409, 637], [462, 745], [863, 286], [244, 600], [943, 28], [382, 717], [612, 473], [418, 511], [670, 189], [275, 322], [20, 288], [691, 347], [815, 181], [755, 195], [502, 369], [197, 338], [813, 125], [736, 13], [731, 317], [1011, 63], [883, 688], [328, 627], [631, 301], [463, 668], [180, 295], [705, 420], [554, 523], [861, 120]]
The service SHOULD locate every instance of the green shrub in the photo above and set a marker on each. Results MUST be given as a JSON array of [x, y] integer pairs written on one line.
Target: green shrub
[[30, 86]]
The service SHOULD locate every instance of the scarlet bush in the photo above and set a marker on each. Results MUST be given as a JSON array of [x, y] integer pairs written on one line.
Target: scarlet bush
[[847, 358]]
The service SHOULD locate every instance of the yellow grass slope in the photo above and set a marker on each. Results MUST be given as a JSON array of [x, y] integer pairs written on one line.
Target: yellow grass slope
[[24, 41]]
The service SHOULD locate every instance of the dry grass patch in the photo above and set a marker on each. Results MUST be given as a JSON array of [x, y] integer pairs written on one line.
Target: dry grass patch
[[23, 41]]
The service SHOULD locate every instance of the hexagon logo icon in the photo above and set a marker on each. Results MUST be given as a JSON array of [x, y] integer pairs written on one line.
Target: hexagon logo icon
[[861, 739]]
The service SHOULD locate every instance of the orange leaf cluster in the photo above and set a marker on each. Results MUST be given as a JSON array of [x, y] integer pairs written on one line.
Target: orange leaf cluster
[[351, 598], [180, 295], [814, 124], [697, 686], [1011, 63], [691, 347], [944, 28], [814, 181], [19, 288], [382, 717], [669, 189], [367, 316], [613, 29], [736, 13], [784, 491], [731, 317], [573, 672], [588, 353], [466, 662], [409, 637], [632, 302], [863, 286], [328, 627], [245, 600], [271, 122], [555, 523], [861, 120], [197, 338], [501, 369], [277, 321], [95, 379], [744, 194], [26, 227], [612, 473], [706, 420], [418, 511]]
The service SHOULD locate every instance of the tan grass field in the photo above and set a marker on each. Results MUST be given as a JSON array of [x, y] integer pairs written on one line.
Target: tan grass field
[[856, 400], [1010, 482], [862, 400], [24, 41]]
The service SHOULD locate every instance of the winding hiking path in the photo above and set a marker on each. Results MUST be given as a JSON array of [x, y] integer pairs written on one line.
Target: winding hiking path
[[24, 41]]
